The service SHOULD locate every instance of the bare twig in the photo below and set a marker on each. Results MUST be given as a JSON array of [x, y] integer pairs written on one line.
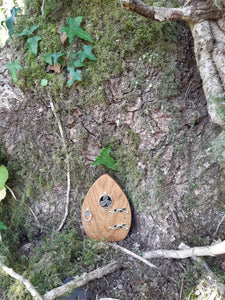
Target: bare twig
[[213, 250], [67, 166], [24, 281], [82, 280], [218, 226], [145, 261], [210, 277], [181, 289], [42, 7]]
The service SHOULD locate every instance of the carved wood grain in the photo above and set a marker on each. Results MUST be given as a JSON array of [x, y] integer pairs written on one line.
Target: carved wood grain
[[102, 219]]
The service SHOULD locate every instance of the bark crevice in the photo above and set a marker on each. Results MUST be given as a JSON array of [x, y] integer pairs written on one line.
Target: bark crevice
[[207, 23]]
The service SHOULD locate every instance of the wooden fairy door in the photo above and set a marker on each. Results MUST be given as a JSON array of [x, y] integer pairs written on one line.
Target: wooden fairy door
[[106, 212]]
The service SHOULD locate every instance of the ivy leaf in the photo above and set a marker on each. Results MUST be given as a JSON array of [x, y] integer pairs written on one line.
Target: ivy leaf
[[10, 21], [4, 175], [28, 32], [105, 159], [56, 56], [87, 53], [77, 63], [33, 44], [74, 28], [2, 226], [2, 193], [73, 76], [48, 58], [13, 67]]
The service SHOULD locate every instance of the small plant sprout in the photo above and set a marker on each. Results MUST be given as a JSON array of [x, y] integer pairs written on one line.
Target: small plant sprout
[[105, 159]]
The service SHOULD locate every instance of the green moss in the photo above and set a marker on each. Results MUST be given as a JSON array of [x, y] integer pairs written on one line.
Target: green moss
[[219, 148], [118, 35]]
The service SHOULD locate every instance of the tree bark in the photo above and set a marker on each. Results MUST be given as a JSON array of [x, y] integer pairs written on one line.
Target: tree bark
[[207, 22], [210, 64], [197, 12]]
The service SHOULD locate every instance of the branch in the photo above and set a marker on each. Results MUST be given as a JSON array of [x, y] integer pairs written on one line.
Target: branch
[[213, 250], [82, 280], [157, 13], [193, 13], [145, 261], [24, 281], [210, 277], [67, 166]]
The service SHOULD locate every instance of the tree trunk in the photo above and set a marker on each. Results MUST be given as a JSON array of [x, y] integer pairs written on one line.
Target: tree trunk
[[207, 23]]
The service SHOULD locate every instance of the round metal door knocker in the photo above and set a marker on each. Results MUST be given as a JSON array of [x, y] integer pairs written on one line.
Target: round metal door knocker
[[87, 215], [105, 201]]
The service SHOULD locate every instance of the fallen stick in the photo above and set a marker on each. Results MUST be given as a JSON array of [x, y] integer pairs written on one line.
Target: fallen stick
[[142, 259], [213, 250], [82, 280], [210, 277], [145, 261], [67, 166], [24, 281]]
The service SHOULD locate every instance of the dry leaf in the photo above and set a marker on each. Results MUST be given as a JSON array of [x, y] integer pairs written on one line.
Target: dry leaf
[[63, 36], [55, 68]]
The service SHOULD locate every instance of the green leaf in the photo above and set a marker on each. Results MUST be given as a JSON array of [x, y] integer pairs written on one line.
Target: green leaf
[[2, 226], [77, 63], [73, 76], [14, 11], [10, 21], [56, 56], [105, 159], [4, 175], [33, 44], [28, 32], [87, 53], [10, 24], [13, 67], [48, 58], [74, 28], [2, 193]]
